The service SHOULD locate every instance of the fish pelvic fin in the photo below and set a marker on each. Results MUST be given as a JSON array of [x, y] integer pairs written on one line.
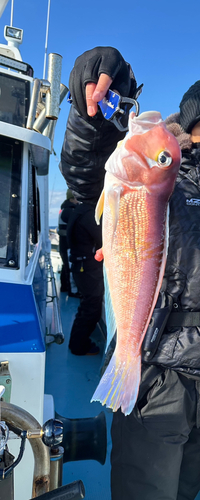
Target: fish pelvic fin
[[99, 208], [119, 385]]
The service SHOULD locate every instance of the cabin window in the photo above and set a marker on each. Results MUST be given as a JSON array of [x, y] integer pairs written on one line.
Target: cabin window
[[10, 199], [14, 100], [33, 210]]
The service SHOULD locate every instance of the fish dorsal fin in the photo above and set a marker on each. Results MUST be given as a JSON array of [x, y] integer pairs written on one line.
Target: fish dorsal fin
[[99, 208], [110, 316]]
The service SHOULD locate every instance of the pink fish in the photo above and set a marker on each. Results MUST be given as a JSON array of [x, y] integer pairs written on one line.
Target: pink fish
[[140, 178]]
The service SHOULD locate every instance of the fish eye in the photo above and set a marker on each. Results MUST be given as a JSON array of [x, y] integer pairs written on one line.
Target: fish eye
[[164, 159]]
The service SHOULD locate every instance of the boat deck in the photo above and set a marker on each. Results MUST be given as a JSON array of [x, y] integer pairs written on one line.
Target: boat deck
[[72, 381]]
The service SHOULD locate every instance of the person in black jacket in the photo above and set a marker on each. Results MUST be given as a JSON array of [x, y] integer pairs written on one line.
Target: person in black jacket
[[84, 237], [89, 140], [156, 449], [66, 208]]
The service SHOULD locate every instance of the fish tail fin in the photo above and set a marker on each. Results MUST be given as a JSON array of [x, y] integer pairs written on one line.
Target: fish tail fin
[[119, 385]]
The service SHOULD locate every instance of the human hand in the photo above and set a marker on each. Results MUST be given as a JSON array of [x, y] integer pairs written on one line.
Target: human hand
[[95, 92], [94, 72]]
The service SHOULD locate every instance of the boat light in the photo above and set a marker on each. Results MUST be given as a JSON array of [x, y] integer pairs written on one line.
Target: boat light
[[11, 34], [14, 64]]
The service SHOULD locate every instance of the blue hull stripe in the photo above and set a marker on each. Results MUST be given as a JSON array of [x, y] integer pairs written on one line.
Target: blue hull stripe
[[20, 329]]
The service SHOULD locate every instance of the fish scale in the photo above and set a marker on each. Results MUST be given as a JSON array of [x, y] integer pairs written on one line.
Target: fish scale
[[132, 238]]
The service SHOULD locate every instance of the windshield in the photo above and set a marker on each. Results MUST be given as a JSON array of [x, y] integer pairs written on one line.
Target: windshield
[[10, 188], [14, 100], [5, 187]]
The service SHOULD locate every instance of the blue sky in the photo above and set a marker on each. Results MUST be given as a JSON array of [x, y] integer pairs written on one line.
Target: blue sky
[[159, 38]]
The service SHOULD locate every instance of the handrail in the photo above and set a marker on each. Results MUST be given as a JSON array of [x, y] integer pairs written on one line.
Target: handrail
[[17, 417], [58, 336]]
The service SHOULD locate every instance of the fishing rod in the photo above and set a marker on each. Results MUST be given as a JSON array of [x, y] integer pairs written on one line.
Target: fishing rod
[[46, 41]]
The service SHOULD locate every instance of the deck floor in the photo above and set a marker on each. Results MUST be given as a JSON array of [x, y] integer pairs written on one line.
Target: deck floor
[[72, 381]]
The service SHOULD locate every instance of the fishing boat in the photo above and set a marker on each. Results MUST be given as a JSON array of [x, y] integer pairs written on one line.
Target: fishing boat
[[53, 442]]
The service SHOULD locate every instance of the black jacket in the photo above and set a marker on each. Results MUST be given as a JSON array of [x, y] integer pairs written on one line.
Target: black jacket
[[84, 237], [67, 207], [179, 346]]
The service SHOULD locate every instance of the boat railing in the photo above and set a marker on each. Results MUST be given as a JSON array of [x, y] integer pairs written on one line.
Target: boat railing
[[56, 332]]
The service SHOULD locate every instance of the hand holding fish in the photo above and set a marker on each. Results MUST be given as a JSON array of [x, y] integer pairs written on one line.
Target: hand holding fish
[[140, 177]]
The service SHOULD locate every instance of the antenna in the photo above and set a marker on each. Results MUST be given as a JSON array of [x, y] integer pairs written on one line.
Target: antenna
[[11, 13], [46, 41]]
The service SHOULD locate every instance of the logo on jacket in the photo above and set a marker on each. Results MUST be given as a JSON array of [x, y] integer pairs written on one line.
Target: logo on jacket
[[155, 334], [193, 201]]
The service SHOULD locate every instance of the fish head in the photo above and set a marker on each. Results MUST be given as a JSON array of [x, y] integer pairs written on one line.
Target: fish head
[[149, 156]]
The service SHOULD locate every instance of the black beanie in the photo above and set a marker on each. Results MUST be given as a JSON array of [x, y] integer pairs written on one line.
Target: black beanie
[[190, 107]]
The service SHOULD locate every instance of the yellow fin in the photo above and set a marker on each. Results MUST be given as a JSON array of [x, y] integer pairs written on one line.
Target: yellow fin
[[119, 144], [119, 385], [99, 208]]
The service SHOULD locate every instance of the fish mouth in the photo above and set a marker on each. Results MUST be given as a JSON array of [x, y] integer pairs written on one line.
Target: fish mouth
[[143, 123]]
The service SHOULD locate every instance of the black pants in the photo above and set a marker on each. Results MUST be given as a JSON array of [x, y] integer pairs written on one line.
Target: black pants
[[156, 449], [90, 284], [65, 272]]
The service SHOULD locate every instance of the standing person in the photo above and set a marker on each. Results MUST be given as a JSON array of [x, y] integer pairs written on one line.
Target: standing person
[[66, 208], [89, 141], [155, 453], [84, 237]]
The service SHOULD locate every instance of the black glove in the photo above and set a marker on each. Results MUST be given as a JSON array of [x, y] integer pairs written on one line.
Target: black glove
[[89, 66]]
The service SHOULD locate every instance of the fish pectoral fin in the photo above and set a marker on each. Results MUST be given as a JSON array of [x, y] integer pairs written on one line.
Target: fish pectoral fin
[[119, 385], [114, 195], [119, 144], [99, 208]]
